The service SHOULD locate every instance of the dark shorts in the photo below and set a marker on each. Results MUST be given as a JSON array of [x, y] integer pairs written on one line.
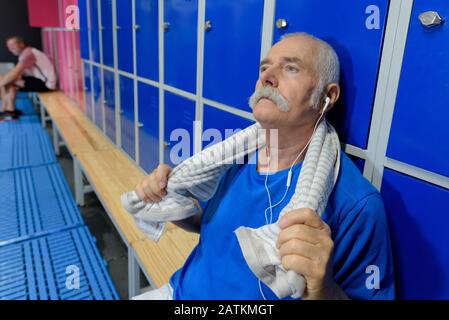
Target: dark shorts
[[33, 84]]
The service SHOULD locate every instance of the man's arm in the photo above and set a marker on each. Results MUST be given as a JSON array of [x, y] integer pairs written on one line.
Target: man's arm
[[192, 224], [13, 75]]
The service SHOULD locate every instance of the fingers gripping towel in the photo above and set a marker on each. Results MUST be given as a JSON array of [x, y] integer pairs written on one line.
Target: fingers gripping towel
[[199, 176]]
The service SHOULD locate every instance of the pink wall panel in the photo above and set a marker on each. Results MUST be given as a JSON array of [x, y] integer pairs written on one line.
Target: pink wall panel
[[43, 13]]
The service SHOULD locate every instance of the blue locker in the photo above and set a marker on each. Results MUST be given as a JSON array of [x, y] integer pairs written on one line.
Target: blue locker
[[88, 91], [178, 128], [127, 115], [94, 33], [125, 35], [180, 25], [218, 125], [419, 224], [419, 131], [147, 39], [232, 51], [84, 30], [344, 26], [107, 32], [109, 103], [359, 163], [148, 126], [98, 103]]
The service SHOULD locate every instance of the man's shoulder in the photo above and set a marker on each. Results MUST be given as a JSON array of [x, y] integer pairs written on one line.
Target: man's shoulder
[[352, 190]]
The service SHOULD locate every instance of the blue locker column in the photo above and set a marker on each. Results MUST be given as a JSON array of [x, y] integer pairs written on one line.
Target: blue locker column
[[98, 94], [125, 35], [219, 125], [109, 103], [232, 50], [180, 26], [94, 32], [419, 131], [88, 90], [356, 32], [418, 220], [147, 39], [148, 126], [127, 115], [179, 117], [84, 30], [107, 32]]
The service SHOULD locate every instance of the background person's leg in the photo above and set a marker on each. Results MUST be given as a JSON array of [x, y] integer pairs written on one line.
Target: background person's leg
[[11, 93]]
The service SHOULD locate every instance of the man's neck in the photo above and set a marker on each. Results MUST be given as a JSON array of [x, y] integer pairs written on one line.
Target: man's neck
[[285, 151]]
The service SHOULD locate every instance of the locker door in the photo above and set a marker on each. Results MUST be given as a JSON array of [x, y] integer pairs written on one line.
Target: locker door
[[178, 128], [181, 20], [125, 35], [419, 131], [232, 51], [88, 91], [84, 29], [127, 115], [106, 32], [148, 126], [109, 97], [419, 224], [147, 39], [95, 37], [219, 125], [357, 38], [98, 103]]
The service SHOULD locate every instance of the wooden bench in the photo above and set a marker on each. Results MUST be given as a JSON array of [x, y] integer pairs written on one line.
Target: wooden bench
[[110, 173]]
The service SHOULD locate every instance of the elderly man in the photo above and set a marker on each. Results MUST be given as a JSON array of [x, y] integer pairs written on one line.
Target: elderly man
[[343, 254], [34, 72]]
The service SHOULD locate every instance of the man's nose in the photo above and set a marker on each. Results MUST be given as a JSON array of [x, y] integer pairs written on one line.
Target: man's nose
[[269, 77]]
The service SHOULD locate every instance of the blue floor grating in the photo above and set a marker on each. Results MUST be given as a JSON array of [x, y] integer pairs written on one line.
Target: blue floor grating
[[25, 124], [35, 200], [25, 149], [46, 268]]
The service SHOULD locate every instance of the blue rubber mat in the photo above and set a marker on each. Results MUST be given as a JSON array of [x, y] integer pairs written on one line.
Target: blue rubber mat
[[26, 106], [35, 200], [61, 266], [26, 149], [25, 124]]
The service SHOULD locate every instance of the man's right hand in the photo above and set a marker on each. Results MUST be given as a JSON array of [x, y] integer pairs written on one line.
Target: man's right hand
[[153, 187]]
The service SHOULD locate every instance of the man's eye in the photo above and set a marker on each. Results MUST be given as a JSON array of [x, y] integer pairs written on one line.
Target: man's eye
[[291, 69], [262, 69]]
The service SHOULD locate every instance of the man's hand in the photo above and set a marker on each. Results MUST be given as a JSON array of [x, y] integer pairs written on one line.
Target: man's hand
[[153, 187], [305, 246]]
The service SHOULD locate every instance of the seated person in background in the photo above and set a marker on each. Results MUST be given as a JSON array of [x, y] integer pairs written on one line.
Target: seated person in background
[[34, 72], [336, 252]]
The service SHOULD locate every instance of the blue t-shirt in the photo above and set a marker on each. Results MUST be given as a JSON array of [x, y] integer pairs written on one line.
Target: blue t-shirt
[[216, 268]]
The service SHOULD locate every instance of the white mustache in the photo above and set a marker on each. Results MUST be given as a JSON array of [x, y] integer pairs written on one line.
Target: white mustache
[[269, 93]]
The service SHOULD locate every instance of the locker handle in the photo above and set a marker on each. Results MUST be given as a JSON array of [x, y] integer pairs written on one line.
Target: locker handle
[[102, 28], [117, 28], [122, 111], [430, 19], [105, 102], [166, 26], [281, 23], [166, 144], [208, 25], [136, 27], [140, 125]]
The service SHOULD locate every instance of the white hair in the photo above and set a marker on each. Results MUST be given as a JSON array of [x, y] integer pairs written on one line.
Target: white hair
[[327, 65]]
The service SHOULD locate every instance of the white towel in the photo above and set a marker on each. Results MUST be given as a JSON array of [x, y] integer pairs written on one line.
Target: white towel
[[199, 176]]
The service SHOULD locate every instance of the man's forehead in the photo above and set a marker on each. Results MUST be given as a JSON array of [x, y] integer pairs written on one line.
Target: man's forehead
[[295, 48]]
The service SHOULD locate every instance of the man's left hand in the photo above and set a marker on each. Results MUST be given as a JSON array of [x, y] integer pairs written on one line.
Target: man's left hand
[[305, 246]]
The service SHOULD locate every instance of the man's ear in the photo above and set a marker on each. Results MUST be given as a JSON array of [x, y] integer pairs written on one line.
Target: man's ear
[[332, 91]]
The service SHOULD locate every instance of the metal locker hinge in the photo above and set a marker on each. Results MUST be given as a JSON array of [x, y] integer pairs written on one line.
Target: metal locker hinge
[[136, 27], [166, 26], [166, 144], [281, 23], [430, 19], [117, 28], [140, 125]]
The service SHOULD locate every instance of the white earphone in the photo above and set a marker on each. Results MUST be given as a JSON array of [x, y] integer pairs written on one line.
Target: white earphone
[[289, 178]]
